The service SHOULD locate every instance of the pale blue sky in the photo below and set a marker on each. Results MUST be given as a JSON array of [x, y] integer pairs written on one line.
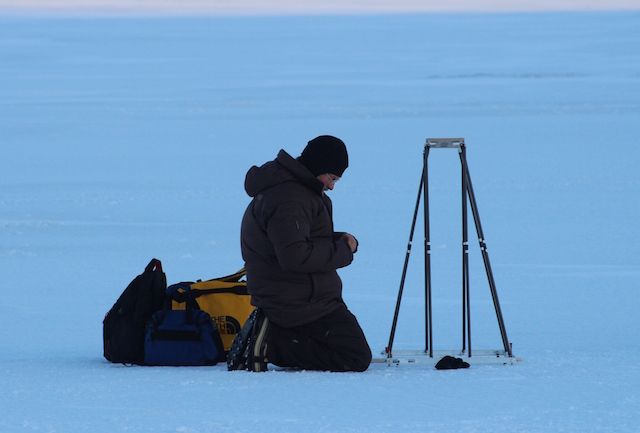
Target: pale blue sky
[[310, 6]]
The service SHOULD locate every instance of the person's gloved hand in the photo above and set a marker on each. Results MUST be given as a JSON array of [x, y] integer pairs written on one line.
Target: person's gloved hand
[[351, 241]]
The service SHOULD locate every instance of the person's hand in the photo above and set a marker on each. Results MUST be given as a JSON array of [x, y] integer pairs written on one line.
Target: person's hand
[[351, 241]]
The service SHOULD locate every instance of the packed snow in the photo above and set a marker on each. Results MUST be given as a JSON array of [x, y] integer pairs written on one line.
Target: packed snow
[[124, 139]]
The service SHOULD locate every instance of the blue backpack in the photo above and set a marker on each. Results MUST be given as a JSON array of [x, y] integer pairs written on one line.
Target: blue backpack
[[182, 337]]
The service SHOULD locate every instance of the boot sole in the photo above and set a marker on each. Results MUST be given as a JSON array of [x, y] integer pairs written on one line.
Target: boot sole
[[236, 359]]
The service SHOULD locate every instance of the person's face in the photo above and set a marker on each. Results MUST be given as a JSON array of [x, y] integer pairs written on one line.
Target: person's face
[[329, 180]]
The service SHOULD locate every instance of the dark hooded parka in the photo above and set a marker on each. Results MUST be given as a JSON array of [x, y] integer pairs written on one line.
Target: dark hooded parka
[[290, 250]]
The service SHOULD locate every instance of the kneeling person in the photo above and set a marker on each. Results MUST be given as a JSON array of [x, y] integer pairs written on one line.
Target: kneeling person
[[291, 255]]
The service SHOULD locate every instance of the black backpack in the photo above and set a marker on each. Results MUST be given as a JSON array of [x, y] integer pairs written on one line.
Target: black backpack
[[124, 325]]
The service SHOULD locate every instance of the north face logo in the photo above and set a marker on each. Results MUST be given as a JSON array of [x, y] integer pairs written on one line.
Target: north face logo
[[227, 325]]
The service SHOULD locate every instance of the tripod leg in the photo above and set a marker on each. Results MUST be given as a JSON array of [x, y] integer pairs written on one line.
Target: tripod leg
[[485, 256], [466, 301], [404, 271], [427, 258]]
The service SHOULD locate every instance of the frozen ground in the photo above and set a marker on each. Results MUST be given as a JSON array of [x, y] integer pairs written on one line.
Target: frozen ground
[[126, 139]]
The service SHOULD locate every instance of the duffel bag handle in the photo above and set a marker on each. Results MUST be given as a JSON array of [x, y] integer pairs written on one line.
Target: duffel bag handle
[[233, 277], [186, 286], [187, 297]]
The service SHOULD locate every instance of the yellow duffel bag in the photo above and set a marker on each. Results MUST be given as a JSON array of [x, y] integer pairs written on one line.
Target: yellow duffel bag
[[225, 299]]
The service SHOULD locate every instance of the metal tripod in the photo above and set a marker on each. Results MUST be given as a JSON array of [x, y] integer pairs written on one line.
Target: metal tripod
[[467, 193]]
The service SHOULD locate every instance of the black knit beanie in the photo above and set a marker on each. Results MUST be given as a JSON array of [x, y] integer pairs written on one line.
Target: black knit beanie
[[325, 154]]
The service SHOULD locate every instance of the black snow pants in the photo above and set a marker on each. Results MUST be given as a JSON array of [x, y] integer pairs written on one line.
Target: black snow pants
[[334, 342]]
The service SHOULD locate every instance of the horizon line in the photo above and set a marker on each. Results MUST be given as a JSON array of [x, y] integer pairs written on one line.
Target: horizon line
[[302, 7]]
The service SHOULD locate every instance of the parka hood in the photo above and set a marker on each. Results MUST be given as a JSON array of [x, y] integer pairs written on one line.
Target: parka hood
[[283, 169]]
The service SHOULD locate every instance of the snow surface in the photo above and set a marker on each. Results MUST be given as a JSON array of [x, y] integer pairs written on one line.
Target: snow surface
[[124, 139]]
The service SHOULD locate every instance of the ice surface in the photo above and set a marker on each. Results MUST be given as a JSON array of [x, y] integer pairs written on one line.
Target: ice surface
[[123, 139]]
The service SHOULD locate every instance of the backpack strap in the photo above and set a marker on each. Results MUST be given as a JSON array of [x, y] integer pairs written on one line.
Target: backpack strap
[[237, 290]]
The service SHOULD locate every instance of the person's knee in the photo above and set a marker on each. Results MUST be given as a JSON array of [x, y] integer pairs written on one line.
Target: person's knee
[[362, 362], [362, 366]]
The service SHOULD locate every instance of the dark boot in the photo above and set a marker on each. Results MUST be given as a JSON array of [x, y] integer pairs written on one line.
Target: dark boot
[[257, 353], [237, 357]]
